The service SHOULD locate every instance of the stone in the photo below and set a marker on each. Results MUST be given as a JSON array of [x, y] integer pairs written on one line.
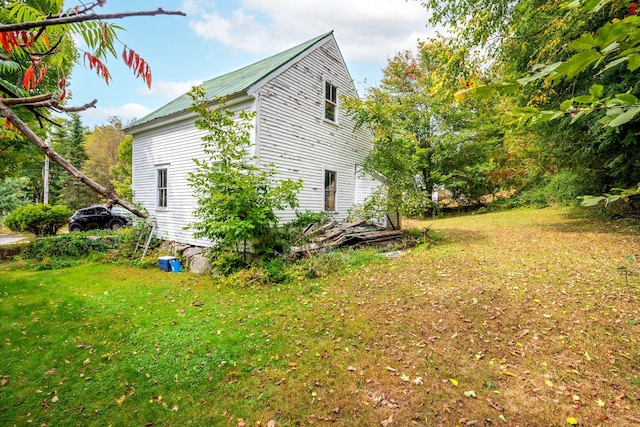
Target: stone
[[199, 264], [192, 251]]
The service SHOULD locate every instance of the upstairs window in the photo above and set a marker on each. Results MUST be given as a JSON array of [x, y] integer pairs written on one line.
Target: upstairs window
[[329, 191], [162, 187], [330, 102]]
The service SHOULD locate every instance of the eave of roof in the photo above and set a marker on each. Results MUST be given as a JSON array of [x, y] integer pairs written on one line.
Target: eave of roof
[[233, 83]]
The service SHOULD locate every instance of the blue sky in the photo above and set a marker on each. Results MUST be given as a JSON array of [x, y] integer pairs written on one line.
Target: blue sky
[[221, 36]]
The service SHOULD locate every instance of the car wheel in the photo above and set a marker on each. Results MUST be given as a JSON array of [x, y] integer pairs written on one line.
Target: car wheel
[[75, 228], [116, 225]]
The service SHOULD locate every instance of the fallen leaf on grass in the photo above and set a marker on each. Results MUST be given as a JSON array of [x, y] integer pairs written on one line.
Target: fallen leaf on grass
[[54, 399], [404, 377], [271, 423], [388, 421], [454, 382], [470, 393], [121, 399], [548, 382], [509, 373], [600, 403], [4, 381], [418, 381], [572, 421]]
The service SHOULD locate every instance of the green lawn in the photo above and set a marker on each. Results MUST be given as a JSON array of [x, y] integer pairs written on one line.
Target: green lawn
[[518, 318]]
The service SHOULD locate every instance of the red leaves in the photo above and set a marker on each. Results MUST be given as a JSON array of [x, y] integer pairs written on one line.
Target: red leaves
[[632, 7], [95, 63], [11, 40], [139, 66], [62, 84], [34, 74]]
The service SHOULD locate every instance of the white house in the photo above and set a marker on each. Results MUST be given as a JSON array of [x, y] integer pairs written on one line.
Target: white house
[[298, 126]]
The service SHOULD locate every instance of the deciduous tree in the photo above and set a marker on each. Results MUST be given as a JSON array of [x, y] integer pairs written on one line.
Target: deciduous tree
[[37, 50]]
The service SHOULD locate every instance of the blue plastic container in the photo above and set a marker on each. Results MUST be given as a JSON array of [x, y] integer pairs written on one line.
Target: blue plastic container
[[175, 266], [164, 262]]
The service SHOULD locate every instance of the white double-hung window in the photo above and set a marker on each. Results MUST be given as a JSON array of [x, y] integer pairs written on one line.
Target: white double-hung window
[[162, 187]]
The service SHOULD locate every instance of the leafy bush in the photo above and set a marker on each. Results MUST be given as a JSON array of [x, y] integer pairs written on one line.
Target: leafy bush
[[561, 189], [419, 206], [375, 207], [227, 262], [39, 219], [73, 245], [129, 239], [276, 271]]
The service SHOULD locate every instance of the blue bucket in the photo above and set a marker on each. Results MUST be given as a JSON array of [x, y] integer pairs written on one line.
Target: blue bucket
[[175, 266]]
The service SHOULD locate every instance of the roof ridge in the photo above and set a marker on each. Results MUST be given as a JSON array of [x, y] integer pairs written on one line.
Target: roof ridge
[[233, 82], [307, 44]]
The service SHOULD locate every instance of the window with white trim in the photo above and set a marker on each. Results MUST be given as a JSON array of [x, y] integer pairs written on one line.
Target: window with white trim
[[330, 183], [162, 184], [330, 102]]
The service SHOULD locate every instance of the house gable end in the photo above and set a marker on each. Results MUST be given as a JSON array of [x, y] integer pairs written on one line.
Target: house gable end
[[236, 82]]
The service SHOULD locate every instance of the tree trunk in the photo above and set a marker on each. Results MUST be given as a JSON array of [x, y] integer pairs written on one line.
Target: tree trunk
[[112, 197]]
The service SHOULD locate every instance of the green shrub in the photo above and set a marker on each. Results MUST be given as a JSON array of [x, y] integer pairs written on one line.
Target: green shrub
[[40, 220], [73, 245], [227, 262], [561, 189], [276, 271], [132, 240], [419, 206]]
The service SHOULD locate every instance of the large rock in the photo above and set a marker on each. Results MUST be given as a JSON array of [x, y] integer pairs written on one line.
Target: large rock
[[199, 264], [192, 251]]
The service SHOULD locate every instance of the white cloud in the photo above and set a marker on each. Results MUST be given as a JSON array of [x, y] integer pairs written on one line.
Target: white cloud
[[367, 30]]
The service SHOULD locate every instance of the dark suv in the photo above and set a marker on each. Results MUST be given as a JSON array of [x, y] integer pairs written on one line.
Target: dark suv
[[95, 217]]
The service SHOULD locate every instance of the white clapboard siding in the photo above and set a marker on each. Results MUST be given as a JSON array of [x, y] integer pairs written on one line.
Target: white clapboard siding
[[173, 147], [294, 135], [366, 185]]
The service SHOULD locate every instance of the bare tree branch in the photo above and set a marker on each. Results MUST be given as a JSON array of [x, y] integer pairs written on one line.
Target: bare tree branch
[[22, 26], [28, 101], [113, 198], [47, 100]]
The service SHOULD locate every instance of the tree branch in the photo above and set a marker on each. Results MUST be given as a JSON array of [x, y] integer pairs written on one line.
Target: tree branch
[[48, 100], [22, 26], [113, 198]]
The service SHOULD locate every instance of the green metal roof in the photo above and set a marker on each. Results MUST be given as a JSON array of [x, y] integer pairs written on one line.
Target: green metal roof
[[232, 83]]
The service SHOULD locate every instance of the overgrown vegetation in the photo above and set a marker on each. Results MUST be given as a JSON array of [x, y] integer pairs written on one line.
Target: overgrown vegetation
[[38, 219], [237, 198]]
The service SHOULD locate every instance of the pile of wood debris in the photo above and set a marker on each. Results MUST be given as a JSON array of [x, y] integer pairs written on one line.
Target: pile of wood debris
[[333, 235]]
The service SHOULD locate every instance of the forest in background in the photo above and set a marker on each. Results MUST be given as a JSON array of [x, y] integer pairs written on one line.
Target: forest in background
[[536, 99]]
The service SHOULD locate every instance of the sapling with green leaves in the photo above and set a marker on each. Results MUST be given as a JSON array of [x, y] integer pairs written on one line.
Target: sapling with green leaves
[[237, 197]]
